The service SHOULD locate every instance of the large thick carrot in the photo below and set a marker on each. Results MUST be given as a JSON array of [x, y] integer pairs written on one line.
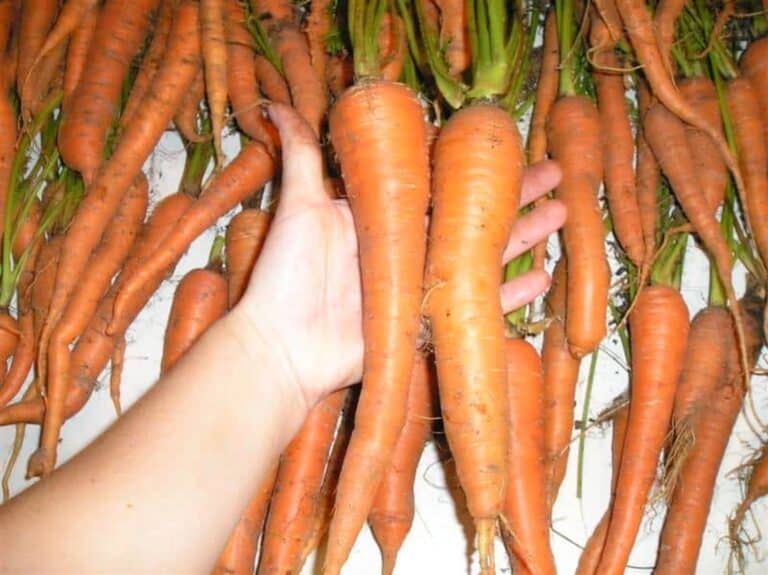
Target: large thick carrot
[[525, 520], [393, 508], [242, 85], [250, 170], [150, 63], [749, 135], [659, 330], [377, 129], [700, 93], [478, 164], [77, 51], [561, 371], [665, 134], [94, 348], [214, 47], [245, 237], [239, 553], [711, 420], [104, 264], [574, 136], [294, 500], [99, 205], [590, 556], [200, 299], [119, 34], [618, 152]]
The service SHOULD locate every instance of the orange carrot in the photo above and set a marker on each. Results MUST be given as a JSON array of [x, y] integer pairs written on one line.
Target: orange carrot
[[393, 508], [546, 91], [239, 553], [618, 151], [99, 205], [317, 29], [757, 487], [200, 299], [659, 330], [478, 166], [295, 496], [117, 361], [9, 338], [561, 370], [242, 86], [214, 49], [573, 132], [752, 146], [7, 147], [77, 51], [754, 66], [37, 16], [524, 516], [271, 83], [647, 178], [392, 46], [710, 415], [454, 31], [711, 171], [590, 556], [150, 62], [83, 131], [250, 170], [339, 74], [665, 17], [186, 115], [103, 265], [246, 233], [381, 120]]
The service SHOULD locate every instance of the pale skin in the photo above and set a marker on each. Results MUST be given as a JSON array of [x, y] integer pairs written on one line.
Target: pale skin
[[161, 490]]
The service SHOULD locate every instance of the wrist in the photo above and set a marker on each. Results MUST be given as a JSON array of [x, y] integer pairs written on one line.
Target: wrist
[[267, 352]]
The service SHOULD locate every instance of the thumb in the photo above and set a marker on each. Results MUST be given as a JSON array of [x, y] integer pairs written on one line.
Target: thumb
[[302, 180]]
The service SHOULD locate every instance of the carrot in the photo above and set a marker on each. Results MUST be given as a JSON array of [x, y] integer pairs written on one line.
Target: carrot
[[74, 15], [9, 338], [242, 86], [94, 348], [150, 62], [77, 51], [186, 115], [590, 556], [573, 133], [667, 12], [119, 33], [711, 171], [748, 131], [478, 166], [711, 418], [99, 205], [295, 495], [546, 91], [246, 233], [659, 329], [618, 150], [270, 81], [200, 299], [454, 31], [250, 170], [666, 136], [381, 121], [46, 79], [239, 553], [214, 49], [392, 46], [117, 361], [754, 66], [104, 264], [647, 178], [757, 487], [37, 16], [9, 15], [561, 370], [393, 508], [524, 515], [339, 73], [7, 148], [317, 29]]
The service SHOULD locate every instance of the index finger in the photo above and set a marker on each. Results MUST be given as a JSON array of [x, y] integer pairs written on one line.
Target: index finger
[[539, 179]]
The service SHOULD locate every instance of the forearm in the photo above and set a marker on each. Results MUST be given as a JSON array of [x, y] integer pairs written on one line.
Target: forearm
[[161, 490]]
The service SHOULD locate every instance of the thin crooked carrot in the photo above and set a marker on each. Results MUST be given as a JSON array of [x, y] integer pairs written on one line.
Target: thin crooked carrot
[[77, 52], [214, 48]]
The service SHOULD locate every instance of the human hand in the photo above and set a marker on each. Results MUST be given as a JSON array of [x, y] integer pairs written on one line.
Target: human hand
[[304, 297]]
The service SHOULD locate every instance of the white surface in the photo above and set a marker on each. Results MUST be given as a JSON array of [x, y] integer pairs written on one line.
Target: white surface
[[438, 540]]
